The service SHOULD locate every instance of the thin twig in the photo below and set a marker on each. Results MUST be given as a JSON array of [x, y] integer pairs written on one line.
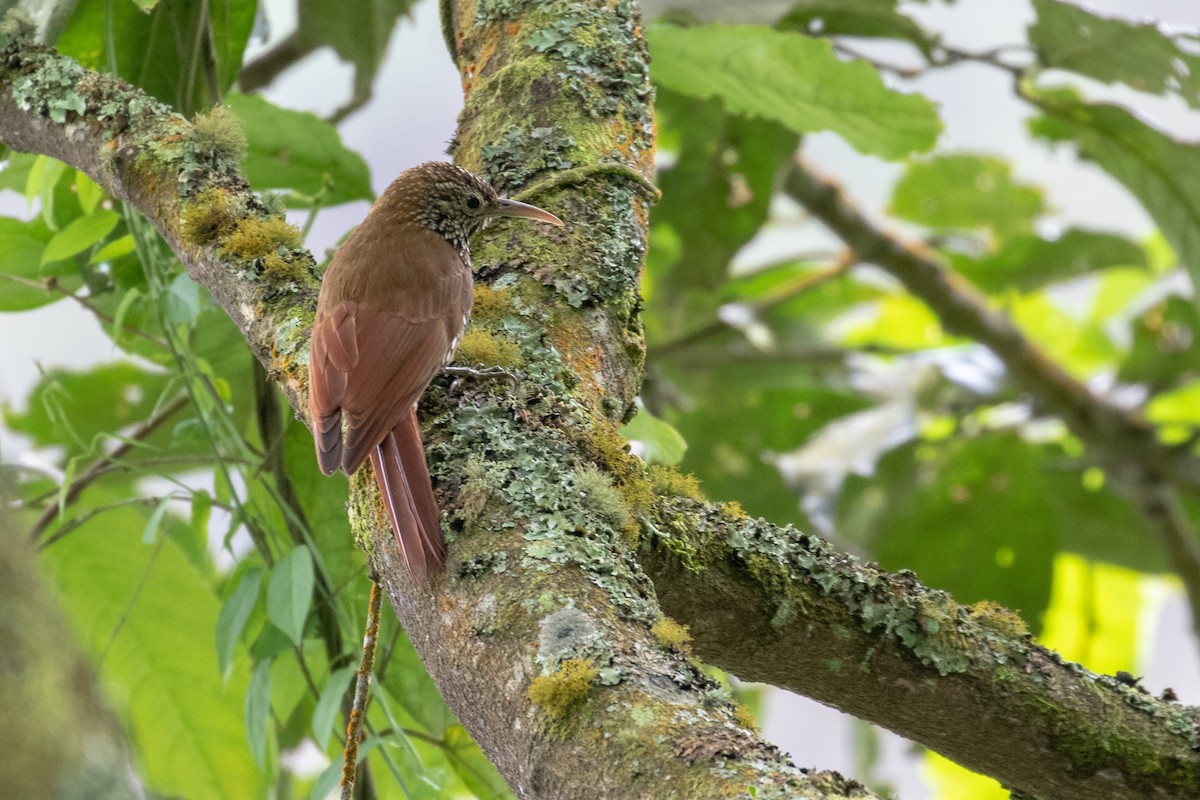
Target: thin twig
[[98, 468], [1161, 506], [790, 290], [362, 685], [53, 285]]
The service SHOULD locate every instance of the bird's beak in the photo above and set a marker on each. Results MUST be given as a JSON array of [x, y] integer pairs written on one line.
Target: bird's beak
[[514, 208]]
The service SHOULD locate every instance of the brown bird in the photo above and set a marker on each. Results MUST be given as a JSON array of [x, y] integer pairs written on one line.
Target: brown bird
[[392, 309]]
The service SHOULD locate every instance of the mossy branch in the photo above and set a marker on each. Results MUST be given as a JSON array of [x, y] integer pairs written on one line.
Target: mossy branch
[[542, 580], [782, 607]]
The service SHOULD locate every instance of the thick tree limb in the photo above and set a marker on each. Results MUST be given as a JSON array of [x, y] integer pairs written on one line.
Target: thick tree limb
[[539, 634], [781, 607]]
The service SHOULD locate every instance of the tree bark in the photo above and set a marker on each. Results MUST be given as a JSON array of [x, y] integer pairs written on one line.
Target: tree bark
[[546, 635]]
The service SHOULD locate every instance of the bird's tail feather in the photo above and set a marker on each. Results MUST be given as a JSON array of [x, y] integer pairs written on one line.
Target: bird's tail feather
[[403, 479]]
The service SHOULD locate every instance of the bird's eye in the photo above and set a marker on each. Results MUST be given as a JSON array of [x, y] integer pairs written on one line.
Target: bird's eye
[[472, 202]]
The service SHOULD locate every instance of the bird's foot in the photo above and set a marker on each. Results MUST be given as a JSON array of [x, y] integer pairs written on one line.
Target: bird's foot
[[488, 372]]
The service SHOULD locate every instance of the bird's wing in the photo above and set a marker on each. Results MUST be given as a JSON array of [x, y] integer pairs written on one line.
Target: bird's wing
[[369, 364]]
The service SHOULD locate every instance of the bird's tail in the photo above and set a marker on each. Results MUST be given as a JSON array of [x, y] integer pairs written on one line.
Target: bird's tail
[[403, 479]]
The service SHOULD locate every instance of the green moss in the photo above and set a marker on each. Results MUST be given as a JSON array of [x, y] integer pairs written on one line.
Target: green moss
[[597, 489], [481, 347], [744, 717], [491, 306], [217, 135], [670, 482], [671, 635], [560, 692], [210, 216], [252, 239], [999, 619]]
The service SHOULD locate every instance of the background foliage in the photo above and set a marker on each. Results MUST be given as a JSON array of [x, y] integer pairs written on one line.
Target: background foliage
[[209, 569]]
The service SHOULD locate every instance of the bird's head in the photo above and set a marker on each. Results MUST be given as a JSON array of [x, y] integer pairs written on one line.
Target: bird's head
[[456, 203]]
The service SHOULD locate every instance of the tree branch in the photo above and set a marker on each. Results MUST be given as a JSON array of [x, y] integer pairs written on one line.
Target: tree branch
[[539, 634], [781, 607]]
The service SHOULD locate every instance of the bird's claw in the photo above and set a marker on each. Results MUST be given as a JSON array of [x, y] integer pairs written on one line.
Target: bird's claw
[[488, 372]]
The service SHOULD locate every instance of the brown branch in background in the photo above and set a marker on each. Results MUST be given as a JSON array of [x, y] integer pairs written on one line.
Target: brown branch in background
[[262, 71], [1123, 439], [1161, 506], [97, 468], [1118, 435]]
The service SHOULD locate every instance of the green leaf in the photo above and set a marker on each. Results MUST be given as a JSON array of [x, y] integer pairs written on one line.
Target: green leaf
[[472, 766], [121, 246], [182, 302], [715, 197], [157, 50], [328, 704], [358, 32], [969, 192], [1139, 55], [289, 593], [661, 443], [150, 532], [88, 191], [258, 712], [79, 235], [43, 180], [298, 151], [99, 401], [1166, 345], [1027, 262], [152, 613], [118, 324], [20, 272], [794, 80], [235, 611], [874, 19], [1159, 171]]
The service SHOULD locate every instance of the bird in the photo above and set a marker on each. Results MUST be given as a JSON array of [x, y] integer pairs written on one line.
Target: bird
[[392, 308]]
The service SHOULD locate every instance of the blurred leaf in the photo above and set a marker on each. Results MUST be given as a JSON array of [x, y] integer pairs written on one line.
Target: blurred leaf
[[161, 51], [795, 80], [182, 301], [297, 150], [1166, 345], [150, 532], [739, 413], [968, 192], [102, 400], [80, 234], [983, 517], [873, 19], [258, 712], [118, 247], [1027, 262], [234, 613], [472, 766], [289, 593], [715, 195], [1156, 169], [329, 703], [44, 176], [88, 191], [21, 278], [151, 614], [359, 32], [661, 443], [1177, 406], [1116, 51]]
